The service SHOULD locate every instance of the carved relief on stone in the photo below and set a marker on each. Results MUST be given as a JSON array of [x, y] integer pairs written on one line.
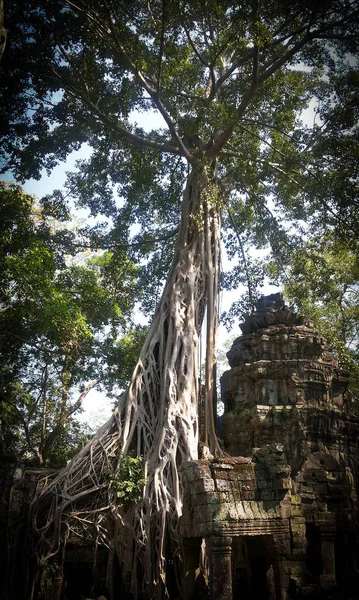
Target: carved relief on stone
[[280, 360]]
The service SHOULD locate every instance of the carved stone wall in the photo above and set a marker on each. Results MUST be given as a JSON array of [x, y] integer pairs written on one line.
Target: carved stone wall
[[279, 513]]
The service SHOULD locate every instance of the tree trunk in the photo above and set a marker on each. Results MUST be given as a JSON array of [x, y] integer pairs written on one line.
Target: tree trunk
[[158, 416]]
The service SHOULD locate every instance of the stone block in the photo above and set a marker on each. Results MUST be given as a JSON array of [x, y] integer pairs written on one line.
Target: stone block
[[237, 512], [282, 484], [224, 464], [245, 486], [245, 474], [222, 475], [220, 497], [201, 514], [317, 475], [298, 533], [282, 545], [265, 484], [189, 471], [263, 510], [295, 567], [200, 499], [299, 544], [203, 470], [223, 485], [297, 511], [224, 512], [306, 494], [320, 489], [202, 485], [297, 521], [268, 495], [285, 511], [248, 495]]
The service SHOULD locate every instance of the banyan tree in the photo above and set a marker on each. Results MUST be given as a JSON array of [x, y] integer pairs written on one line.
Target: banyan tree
[[227, 83]]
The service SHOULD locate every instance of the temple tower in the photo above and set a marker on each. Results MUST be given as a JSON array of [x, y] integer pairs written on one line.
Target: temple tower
[[277, 515]]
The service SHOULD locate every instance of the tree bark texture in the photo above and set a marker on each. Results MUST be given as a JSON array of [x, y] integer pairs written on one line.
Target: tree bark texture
[[157, 418]]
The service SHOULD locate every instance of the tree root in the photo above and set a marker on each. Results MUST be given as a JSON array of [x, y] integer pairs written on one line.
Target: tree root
[[157, 418]]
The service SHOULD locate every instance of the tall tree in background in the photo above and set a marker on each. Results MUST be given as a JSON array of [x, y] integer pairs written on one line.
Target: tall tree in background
[[229, 82], [56, 304], [323, 281]]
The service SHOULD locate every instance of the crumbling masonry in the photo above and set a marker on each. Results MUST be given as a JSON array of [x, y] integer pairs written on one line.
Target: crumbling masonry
[[277, 517]]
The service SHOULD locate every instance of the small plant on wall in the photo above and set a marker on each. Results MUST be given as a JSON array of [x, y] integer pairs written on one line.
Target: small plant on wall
[[128, 481]]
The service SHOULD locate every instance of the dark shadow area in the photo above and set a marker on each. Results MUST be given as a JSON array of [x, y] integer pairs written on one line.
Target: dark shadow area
[[80, 576], [255, 569], [313, 557]]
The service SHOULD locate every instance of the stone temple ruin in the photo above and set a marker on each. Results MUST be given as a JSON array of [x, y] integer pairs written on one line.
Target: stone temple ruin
[[277, 517]]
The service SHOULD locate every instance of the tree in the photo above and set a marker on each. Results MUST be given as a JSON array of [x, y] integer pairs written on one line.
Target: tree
[[53, 316], [322, 280], [229, 82]]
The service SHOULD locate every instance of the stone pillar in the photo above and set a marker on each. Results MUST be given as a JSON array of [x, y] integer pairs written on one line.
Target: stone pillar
[[221, 568], [191, 555], [55, 590], [326, 524], [327, 534], [282, 547]]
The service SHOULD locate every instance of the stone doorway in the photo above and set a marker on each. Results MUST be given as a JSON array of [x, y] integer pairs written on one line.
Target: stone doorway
[[255, 572], [81, 574], [78, 581]]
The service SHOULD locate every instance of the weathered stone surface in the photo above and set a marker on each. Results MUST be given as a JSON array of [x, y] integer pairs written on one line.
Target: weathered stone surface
[[279, 360], [290, 482]]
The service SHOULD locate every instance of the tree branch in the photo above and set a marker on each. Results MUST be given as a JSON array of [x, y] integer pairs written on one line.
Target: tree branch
[[81, 398], [65, 415], [246, 270], [135, 139], [145, 82], [25, 425], [226, 74], [162, 40], [191, 42], [129, 245], [152, 92], [251, 91], [270, 70]]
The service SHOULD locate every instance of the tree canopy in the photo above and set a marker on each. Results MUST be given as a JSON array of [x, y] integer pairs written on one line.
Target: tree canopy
[[233, 157], [322, 280], [224, 80]]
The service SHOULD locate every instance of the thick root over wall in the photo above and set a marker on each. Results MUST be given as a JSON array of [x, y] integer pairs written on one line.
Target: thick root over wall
[[157, 418]]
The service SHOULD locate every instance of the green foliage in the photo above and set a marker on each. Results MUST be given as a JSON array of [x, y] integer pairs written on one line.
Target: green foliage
[[58, 319], [128, 481], [229, 83], [48, 573], [82, 72], [323, 281], [123, 355]]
